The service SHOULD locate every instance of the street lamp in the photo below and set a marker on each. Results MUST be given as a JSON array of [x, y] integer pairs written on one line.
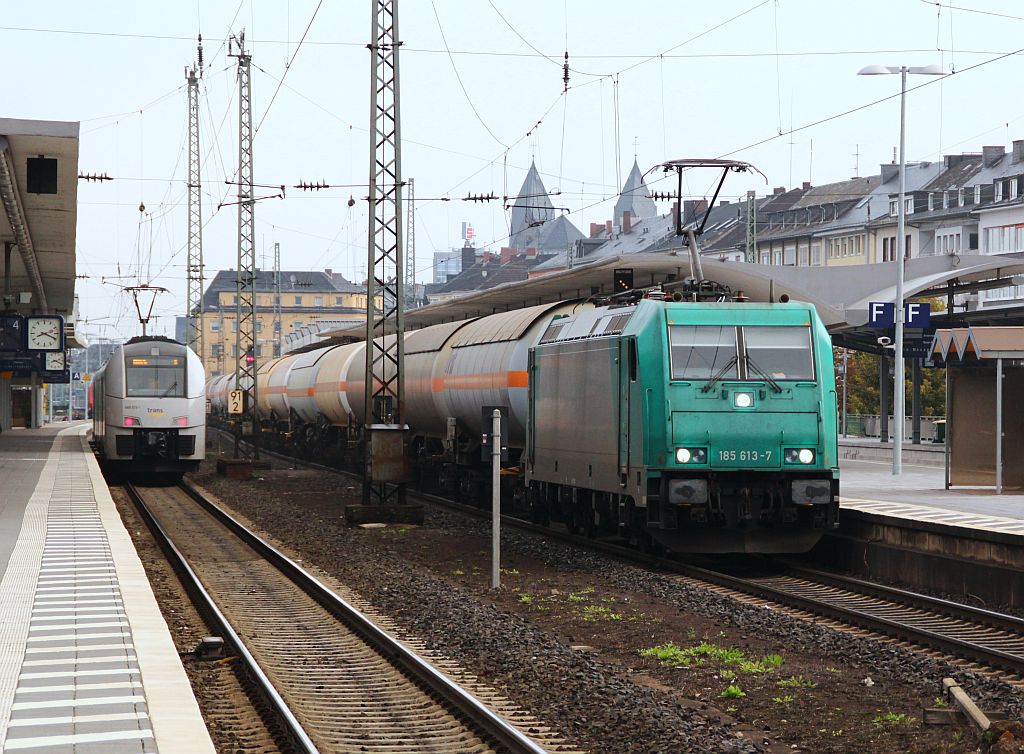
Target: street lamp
[[899, 397]]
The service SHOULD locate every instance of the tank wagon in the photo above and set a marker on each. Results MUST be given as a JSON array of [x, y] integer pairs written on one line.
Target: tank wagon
[[149, 409], [698, 427]]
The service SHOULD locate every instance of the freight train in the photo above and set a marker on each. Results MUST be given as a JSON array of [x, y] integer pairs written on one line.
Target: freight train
[[687, 426], [149, 411]]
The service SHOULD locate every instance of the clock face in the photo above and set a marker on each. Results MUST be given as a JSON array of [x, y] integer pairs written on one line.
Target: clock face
[[55, 362], [44, 333]]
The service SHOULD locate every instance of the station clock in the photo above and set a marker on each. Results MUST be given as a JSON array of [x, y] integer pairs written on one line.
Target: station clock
[[54, 361], [44, 333]]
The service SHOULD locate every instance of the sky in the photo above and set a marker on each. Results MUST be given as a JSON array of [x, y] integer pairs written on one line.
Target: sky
[[770, 82]]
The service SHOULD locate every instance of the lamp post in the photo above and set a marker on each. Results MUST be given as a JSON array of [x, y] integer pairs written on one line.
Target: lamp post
[[899, 396]]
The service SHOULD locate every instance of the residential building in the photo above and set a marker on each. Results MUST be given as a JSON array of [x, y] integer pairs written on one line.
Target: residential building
[[306, 298]]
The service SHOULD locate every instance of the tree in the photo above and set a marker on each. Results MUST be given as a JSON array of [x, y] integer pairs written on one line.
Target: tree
[[862, 392]]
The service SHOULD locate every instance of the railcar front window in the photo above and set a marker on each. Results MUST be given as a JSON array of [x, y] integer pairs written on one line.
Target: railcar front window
[[783, 353], [155, 376], [701, 352]]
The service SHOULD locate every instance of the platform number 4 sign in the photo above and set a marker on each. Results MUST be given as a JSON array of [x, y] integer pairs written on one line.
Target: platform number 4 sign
[[236, 402]]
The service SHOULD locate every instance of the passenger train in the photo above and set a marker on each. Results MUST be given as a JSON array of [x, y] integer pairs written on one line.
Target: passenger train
[[694, 427], [149, 410]]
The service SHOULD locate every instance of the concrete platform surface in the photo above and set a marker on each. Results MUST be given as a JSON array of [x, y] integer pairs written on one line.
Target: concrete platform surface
[[87, 665], [919, 493]]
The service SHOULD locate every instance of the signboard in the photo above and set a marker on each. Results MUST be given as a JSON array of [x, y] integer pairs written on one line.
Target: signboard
[[85, 376], [622, 279], [236, 402], [487, 420], [12, 333], [76, 376], [916, 315]]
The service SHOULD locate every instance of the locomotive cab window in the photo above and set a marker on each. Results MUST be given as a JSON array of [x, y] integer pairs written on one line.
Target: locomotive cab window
[[155, 376], [784, 353], [701, 352]]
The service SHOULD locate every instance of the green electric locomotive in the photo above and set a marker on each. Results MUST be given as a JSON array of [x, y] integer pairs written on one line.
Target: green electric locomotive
[[697, 427]]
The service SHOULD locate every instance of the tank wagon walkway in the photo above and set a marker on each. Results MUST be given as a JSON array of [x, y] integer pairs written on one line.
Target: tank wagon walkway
[[87, 664]]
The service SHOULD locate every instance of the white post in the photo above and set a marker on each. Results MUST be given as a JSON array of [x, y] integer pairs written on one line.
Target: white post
[[901, 250], [999, 426], [846, 376], [496, 499]]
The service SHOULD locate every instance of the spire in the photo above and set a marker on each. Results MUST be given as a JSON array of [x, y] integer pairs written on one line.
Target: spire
[[634, 197], [533, 205]]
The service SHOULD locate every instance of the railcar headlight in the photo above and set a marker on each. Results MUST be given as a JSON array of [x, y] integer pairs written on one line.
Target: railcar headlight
[[743, 400], [131, 421], [800, 455], [180, 421], [691, 455]]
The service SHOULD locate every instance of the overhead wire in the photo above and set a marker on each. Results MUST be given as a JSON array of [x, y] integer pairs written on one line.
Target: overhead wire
[[288, 67], [458, 76]]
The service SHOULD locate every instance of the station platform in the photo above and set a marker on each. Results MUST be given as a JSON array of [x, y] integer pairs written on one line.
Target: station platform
[[919, 493], [87, 664]]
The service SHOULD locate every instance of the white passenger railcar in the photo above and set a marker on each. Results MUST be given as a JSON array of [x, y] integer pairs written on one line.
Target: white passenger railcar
[[149, 410]]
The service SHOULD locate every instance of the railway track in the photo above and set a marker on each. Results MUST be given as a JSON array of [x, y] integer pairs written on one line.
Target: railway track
[[983, 640], [333, 679]]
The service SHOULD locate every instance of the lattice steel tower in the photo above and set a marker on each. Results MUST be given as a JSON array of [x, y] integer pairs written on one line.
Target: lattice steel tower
[[384, 480], [194, 294], [245, 310]]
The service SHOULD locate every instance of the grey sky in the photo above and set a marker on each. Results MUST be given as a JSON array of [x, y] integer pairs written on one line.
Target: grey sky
[[685, 88]]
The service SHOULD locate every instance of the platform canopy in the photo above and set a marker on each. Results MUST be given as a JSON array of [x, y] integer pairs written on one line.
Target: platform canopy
[[841, 295], [978, 343], [39, 201]]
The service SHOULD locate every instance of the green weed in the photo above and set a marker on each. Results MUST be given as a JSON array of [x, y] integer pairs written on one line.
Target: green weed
[[893, 718], [593, 613], [787, 699], [458, 572], [726, 675], [526, 599], [766, 664], [796, 682], [732, 692]]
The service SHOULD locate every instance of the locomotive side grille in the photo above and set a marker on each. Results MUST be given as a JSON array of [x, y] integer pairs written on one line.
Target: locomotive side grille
[[125, 445], [186, 445]]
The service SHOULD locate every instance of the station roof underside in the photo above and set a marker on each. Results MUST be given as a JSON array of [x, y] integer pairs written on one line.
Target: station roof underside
[[841, 295], [39, 201]]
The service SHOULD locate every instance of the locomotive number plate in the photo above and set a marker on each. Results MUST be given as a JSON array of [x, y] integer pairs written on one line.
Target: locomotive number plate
[[753, 456]]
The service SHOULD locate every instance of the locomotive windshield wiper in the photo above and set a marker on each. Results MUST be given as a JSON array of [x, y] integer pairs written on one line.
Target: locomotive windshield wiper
[[719, 375], [753, 367], [168, 390]]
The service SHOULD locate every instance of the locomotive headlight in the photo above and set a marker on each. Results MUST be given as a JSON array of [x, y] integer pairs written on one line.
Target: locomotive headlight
[[799, 455], [180, 421], [691, 455], [743, 400]]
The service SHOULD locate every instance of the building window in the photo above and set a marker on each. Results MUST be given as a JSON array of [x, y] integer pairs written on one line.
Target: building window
[[908, 205], [999, 191], [893, 209], [297, 324], [977, 194], [298, 300], [318, 301], [338, 300], [1013, 188], [234, 325], [259, 325], [277, 300], [277, 325], [234, 300], [234, 351], [931, 201], [816, 254], [960, 198], [215, 325], [945, 200]]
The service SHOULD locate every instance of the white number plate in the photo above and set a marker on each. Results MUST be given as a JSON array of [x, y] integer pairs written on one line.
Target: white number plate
[[754, 456]]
